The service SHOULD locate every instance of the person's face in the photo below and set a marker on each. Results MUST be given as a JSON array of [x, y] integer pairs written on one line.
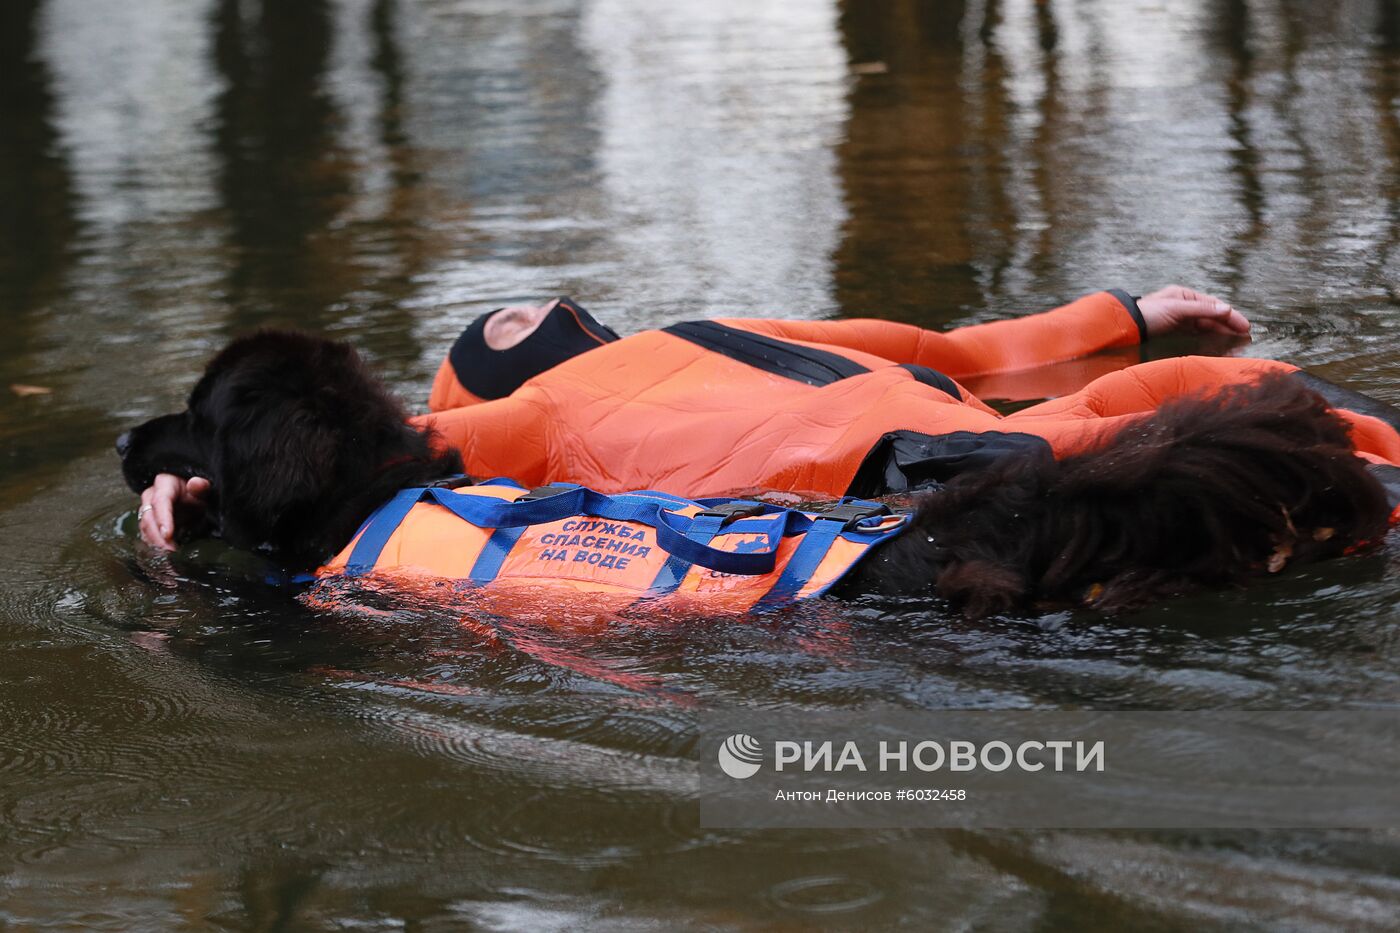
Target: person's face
[[508, 326]]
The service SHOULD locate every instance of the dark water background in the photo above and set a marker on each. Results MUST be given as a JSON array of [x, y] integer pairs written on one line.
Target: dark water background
[[180, 748]]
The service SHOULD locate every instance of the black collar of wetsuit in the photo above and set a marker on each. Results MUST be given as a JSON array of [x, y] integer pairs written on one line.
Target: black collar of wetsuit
[[565, 332]]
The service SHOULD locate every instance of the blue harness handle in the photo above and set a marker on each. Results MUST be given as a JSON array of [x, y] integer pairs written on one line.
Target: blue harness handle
[[678, 541]]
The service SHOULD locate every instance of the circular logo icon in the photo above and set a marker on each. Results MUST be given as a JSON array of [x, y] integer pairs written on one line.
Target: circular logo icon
[[740, 756]]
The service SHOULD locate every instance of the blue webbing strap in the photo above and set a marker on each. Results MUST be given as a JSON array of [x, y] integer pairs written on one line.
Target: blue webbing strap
[[685, 539], [498, 481], [675, 539], [703, 528], [802, 565], [669, 577], [813, 549], [671, 529], [378, 529], [494, 553]]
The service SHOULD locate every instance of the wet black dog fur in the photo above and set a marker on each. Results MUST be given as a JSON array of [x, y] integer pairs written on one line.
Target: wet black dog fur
[[301, 442]]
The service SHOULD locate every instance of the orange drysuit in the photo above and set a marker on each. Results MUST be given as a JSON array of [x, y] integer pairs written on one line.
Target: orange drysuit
[[827, 408]]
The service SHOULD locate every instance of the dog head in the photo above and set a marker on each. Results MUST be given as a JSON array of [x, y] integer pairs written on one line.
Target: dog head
[[298, 440]]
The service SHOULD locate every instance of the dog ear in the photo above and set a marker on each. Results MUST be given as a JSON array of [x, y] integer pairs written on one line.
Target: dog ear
[[982, 587], [274, 465]]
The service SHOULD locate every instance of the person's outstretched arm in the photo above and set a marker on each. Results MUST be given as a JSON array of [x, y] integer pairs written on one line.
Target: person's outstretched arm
[[1090, 324]]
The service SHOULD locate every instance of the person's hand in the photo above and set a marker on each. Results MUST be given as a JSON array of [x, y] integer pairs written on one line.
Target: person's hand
[[172, 503], [1177, 308]]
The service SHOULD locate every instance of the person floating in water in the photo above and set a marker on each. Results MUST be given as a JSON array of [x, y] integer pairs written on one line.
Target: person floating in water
[[815, 408], [547, 394]]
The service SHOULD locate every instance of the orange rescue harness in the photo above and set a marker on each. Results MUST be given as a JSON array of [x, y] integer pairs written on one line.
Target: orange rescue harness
[[734, 554]]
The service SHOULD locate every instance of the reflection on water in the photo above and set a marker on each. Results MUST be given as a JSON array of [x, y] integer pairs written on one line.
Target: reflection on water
[[35, 194], [185, 746]]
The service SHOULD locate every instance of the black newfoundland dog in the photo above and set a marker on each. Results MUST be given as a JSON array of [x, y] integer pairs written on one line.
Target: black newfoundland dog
[[301, 442]]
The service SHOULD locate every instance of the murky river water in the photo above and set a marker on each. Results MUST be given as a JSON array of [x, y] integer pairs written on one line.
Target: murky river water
[[183, 748]]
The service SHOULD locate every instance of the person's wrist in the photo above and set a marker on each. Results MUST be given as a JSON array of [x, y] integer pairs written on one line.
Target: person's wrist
[[1130, 304]]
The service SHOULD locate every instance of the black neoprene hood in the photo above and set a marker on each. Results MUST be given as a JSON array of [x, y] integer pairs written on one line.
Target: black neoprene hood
[[565, 332]]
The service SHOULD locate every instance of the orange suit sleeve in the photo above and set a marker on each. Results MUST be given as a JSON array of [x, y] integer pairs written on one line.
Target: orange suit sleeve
[[1084, 326], [506, 437]]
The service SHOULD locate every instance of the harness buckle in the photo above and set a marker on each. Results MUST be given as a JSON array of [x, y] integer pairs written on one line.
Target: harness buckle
[[851, 514], [729, 511], [544, 492], [451, 482]]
